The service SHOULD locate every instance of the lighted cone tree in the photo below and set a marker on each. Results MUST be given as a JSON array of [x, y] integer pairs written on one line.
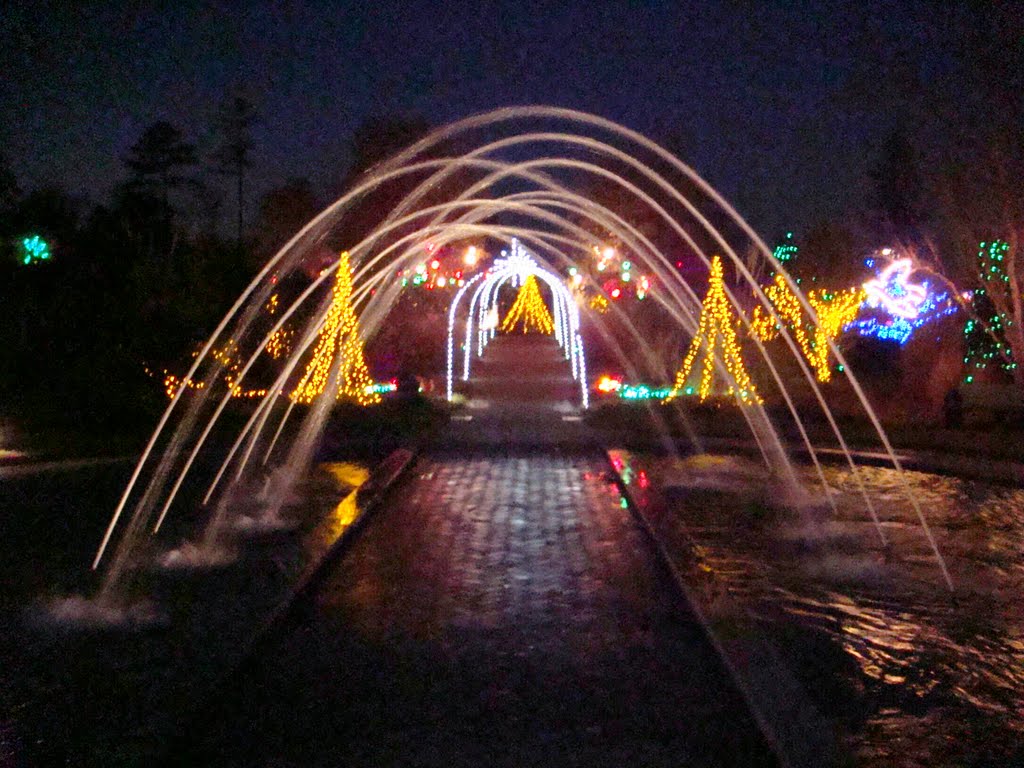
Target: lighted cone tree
[[716, 331], [339, 337], [530, 310]]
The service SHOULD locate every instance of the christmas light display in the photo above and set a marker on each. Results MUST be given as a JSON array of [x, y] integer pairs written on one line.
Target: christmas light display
[[339, 338], [716, 330], [280, 342], [530, 310], [835, 310], [787, 250], [985, 333], [34, 250], [643, 392], [892, 291], [516, 267]]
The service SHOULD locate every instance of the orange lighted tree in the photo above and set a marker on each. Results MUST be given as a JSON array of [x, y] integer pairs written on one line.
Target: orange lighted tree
[[716, 332], [529, 309], [339, 337]]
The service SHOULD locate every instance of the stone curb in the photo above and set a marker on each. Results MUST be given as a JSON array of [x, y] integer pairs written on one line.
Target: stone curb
[[382, 479], [795, 731]]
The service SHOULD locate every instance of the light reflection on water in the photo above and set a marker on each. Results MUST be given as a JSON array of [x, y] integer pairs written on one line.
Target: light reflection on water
[[913, 675], [348, 475]]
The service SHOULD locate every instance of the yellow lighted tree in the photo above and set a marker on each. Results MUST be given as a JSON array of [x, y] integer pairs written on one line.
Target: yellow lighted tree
[[339, 337], [716, 332], [835, 309], [529, 309]]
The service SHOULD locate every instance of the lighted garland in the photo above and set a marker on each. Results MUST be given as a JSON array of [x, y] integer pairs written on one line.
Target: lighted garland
[[530, 310], [715, 330], [339, 336]]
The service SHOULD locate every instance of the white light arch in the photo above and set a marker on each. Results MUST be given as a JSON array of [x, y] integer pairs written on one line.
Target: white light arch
[[516, 266]]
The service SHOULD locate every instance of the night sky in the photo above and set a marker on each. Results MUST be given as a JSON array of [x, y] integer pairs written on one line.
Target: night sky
[[780, 105]]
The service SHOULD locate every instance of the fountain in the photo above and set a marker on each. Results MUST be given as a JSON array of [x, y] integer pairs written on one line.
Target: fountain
[[492, 192]]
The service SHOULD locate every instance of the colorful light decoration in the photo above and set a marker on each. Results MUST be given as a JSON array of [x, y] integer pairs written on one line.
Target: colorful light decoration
[[900, 307], [985, 334], [35, 250], [716, 330], [787, 250], [608, 384], [643, 392], [280, 342], [515, 267], [835, 310], [339, 336], [530, 310], [892, 292]]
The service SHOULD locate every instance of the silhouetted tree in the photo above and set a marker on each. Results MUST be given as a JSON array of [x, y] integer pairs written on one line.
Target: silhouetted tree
[[233, 156], [158, 161]]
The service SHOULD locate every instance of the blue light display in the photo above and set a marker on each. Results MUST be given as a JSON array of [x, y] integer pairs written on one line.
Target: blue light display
[[899, 307]]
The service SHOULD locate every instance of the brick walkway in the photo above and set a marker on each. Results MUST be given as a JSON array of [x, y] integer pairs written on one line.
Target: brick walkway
[[500, 611]]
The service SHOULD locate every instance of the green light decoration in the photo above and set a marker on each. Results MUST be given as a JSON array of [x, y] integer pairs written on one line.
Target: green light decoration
[[644, 392], [34, 250], [985, 333], [787, 250]]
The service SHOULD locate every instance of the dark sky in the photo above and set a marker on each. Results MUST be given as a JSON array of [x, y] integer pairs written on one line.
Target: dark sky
[[780, 105]]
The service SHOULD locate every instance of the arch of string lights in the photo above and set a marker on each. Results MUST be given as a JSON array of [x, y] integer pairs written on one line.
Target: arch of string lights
[[515, 266]]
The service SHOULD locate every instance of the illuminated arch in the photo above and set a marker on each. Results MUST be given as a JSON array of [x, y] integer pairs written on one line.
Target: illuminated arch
[[516, 266]]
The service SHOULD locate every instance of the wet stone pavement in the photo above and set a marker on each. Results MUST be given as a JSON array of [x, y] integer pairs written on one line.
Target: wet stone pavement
[[497, 611]]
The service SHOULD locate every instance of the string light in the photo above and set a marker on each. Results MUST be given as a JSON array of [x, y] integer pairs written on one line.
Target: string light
[[835, 310], [34, 250], [280, 342], [787, 250], [339, 336], [529, 309], [716, 328], [985, 334]]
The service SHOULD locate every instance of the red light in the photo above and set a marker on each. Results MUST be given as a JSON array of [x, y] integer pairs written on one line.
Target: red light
[[679, 264], [616, 293], [435, 264], [458, 274]]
